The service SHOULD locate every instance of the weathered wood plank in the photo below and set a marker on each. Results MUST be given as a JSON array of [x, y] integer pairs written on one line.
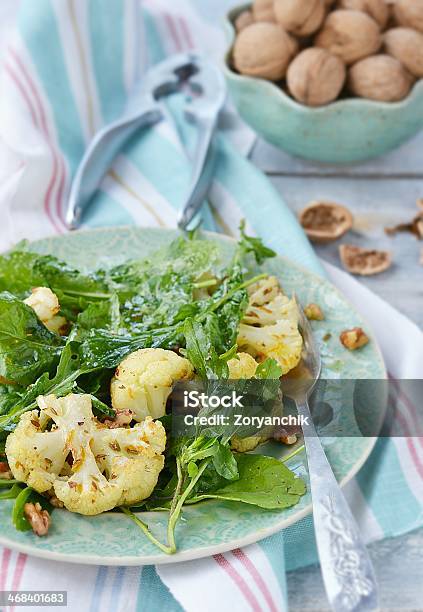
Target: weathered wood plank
[[406, 161]]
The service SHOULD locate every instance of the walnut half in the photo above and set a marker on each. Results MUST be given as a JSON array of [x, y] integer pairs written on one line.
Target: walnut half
[[313, 312], [38, 518], [354, 338], [364, 261], [325, 221]]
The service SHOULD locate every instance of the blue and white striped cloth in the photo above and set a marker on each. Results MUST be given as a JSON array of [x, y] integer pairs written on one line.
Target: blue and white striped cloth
[[67, 70]]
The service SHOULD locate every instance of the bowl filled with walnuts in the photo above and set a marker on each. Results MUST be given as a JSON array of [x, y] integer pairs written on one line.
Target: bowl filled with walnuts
[[330, 81]]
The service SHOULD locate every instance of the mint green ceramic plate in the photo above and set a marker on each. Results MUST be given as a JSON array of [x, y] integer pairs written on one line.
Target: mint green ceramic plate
[[213, 526]]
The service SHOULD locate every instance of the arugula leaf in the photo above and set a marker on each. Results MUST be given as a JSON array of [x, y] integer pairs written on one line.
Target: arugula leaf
[[225, 463], [248, 244], [27, 347], [62, 383], [263, 481], [20, 271], [268, 369], [201, 341]]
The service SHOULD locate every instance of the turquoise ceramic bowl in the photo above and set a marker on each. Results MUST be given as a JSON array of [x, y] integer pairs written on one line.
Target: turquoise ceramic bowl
[[346, 131]]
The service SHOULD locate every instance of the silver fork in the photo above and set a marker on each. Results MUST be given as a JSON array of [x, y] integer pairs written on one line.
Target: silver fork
[[346, 567]]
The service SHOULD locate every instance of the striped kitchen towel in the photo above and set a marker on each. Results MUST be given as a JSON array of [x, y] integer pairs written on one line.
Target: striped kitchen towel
[[68, 69]]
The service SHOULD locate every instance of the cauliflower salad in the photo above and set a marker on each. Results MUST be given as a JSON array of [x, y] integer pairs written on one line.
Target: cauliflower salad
[[88, 362]]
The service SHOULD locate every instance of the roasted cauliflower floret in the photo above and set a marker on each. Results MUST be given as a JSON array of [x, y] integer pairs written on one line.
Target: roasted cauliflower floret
[[143, 381], [34, 456], [46, 305], [270, 326], [132, 458], [91, 468], [86, 491], [242, 366]]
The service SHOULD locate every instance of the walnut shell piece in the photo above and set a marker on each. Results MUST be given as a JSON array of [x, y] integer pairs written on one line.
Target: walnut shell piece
[[351, 35], [354, 338], [316, 77], [377, 9], [300, 17], [263, 10], [380, 77], [325, 221], [313, 312], [243, 20], [409, 13], [364, 262], [406, 45], [263, 50]]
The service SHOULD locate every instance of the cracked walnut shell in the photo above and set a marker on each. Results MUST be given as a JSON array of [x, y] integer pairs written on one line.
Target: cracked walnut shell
[[364, 262], [377, 9], [380, 77], [325, 221], [300, 17], [263, 50], [406, 45], [316, 77], [351, 35], [354, 339]]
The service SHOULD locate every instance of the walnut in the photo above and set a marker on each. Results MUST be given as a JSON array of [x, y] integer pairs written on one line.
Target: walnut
[[409, 13], [263, 50], [325, 221], [364, 262], [289, 440], [243, 20], [263, 10], [301, 17], [5, 473], [351, 35], [316, 77], [38, 518], [354, 339], [381, 78], [313, 312], [406, 45], [378, 9]]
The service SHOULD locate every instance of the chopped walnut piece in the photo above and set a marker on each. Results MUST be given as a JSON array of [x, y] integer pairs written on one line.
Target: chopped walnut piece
[[286, 439], [325, 221], [5, 473], [354, 338], [364, 261], [313, 312], [122, 418], [38, 518]]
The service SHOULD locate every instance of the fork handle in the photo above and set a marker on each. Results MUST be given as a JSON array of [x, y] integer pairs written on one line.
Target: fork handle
[[346, 566]]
